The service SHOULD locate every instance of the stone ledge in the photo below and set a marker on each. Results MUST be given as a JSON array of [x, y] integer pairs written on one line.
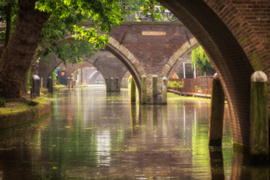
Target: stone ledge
[[12, 120]]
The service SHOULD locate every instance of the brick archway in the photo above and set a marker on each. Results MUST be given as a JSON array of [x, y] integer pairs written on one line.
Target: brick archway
[[92, 78], [180, 53], [124, 55], [234, 43], [128, 59]]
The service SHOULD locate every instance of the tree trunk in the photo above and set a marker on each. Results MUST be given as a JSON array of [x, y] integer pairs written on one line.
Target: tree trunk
[[24, 83], [19, 52], [8, 24]]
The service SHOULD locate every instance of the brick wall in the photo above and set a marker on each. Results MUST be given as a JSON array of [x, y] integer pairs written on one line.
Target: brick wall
[[105, 62], [235, 34]]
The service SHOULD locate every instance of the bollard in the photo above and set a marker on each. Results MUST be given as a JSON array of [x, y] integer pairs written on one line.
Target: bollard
[[144, 90], [36, 85], [112, 85], [217, 111], [108, 85], [133, 91], [164, 90], [117, 89], [50, 84], [154, 90], [259, 144]]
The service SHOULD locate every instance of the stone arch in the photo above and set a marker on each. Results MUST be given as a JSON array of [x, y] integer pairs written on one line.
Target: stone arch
[[46, 67], [218, 27], [128, 59], [73, 67], [124, 55], [94, 76], [180, 53]]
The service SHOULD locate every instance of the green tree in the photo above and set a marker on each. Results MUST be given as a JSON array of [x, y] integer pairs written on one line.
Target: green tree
[[200, 58], [43, 23], [75, 52]]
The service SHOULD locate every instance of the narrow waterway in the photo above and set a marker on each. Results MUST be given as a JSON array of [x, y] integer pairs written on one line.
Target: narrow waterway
[[91, 134]]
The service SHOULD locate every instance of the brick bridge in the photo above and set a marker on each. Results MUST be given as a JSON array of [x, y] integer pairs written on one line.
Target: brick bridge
[[105, 62], [145, 48], [235, 35]]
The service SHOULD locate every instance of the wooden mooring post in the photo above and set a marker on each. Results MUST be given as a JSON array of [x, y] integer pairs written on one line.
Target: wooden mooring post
[[217, 112], [259, 133]]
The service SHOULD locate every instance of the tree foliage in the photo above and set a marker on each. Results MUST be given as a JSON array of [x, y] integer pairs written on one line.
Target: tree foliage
[[200, 58], [76, 52], [67, 17], [4, 10]]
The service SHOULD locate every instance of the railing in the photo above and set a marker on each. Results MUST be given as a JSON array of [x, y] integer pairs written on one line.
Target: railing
[[133, 12], [202, 85]]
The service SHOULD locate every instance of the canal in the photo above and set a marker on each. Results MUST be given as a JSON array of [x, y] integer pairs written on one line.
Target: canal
[[91, 134]]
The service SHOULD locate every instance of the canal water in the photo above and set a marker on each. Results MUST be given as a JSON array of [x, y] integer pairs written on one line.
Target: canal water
[[91, 134]]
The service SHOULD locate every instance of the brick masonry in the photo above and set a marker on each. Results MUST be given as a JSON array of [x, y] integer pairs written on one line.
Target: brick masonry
[[151, 49], [236, 36], [106, 63]]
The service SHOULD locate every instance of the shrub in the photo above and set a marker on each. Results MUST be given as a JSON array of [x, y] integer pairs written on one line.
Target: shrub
[[2, 102], [197, 87], [175, 84]]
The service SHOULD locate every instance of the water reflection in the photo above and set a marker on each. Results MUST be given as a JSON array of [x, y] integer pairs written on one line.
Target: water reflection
[[92, 134]]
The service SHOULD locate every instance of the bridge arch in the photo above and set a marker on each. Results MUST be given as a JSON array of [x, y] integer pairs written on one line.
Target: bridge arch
[[180, 53], [234, 49], [92, 78], [128, 59], [124, 55]]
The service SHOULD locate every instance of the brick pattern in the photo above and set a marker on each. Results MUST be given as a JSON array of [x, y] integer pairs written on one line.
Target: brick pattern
[[106, 63], [175, 58], [149, 48], [93, 76], [129, 56], [236, 36]]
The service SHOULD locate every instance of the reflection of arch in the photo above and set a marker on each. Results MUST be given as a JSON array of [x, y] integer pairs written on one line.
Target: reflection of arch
[[225, 52], [93, 77]]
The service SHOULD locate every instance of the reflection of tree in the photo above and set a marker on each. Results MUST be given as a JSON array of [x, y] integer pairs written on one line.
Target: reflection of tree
[[200, 150]]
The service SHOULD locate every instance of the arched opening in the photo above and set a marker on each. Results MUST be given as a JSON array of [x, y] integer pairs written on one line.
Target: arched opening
[[96, 78], [227, 56]]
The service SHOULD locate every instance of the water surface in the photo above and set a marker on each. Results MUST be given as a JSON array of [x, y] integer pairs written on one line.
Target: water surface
[[91, 134]]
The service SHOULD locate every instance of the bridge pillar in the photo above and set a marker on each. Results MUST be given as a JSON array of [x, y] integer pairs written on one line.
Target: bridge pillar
[[133, 91], [112, 85], [164, 90], [143, 90], [217, 111], [117, 87], [259, 133], [108, 85], [154, 89], [50, 84]]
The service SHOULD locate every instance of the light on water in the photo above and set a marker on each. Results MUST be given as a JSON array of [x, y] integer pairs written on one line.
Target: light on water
[[91, 134]]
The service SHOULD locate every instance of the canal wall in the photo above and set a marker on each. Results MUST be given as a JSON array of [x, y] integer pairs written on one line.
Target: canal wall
[[14, 119]]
